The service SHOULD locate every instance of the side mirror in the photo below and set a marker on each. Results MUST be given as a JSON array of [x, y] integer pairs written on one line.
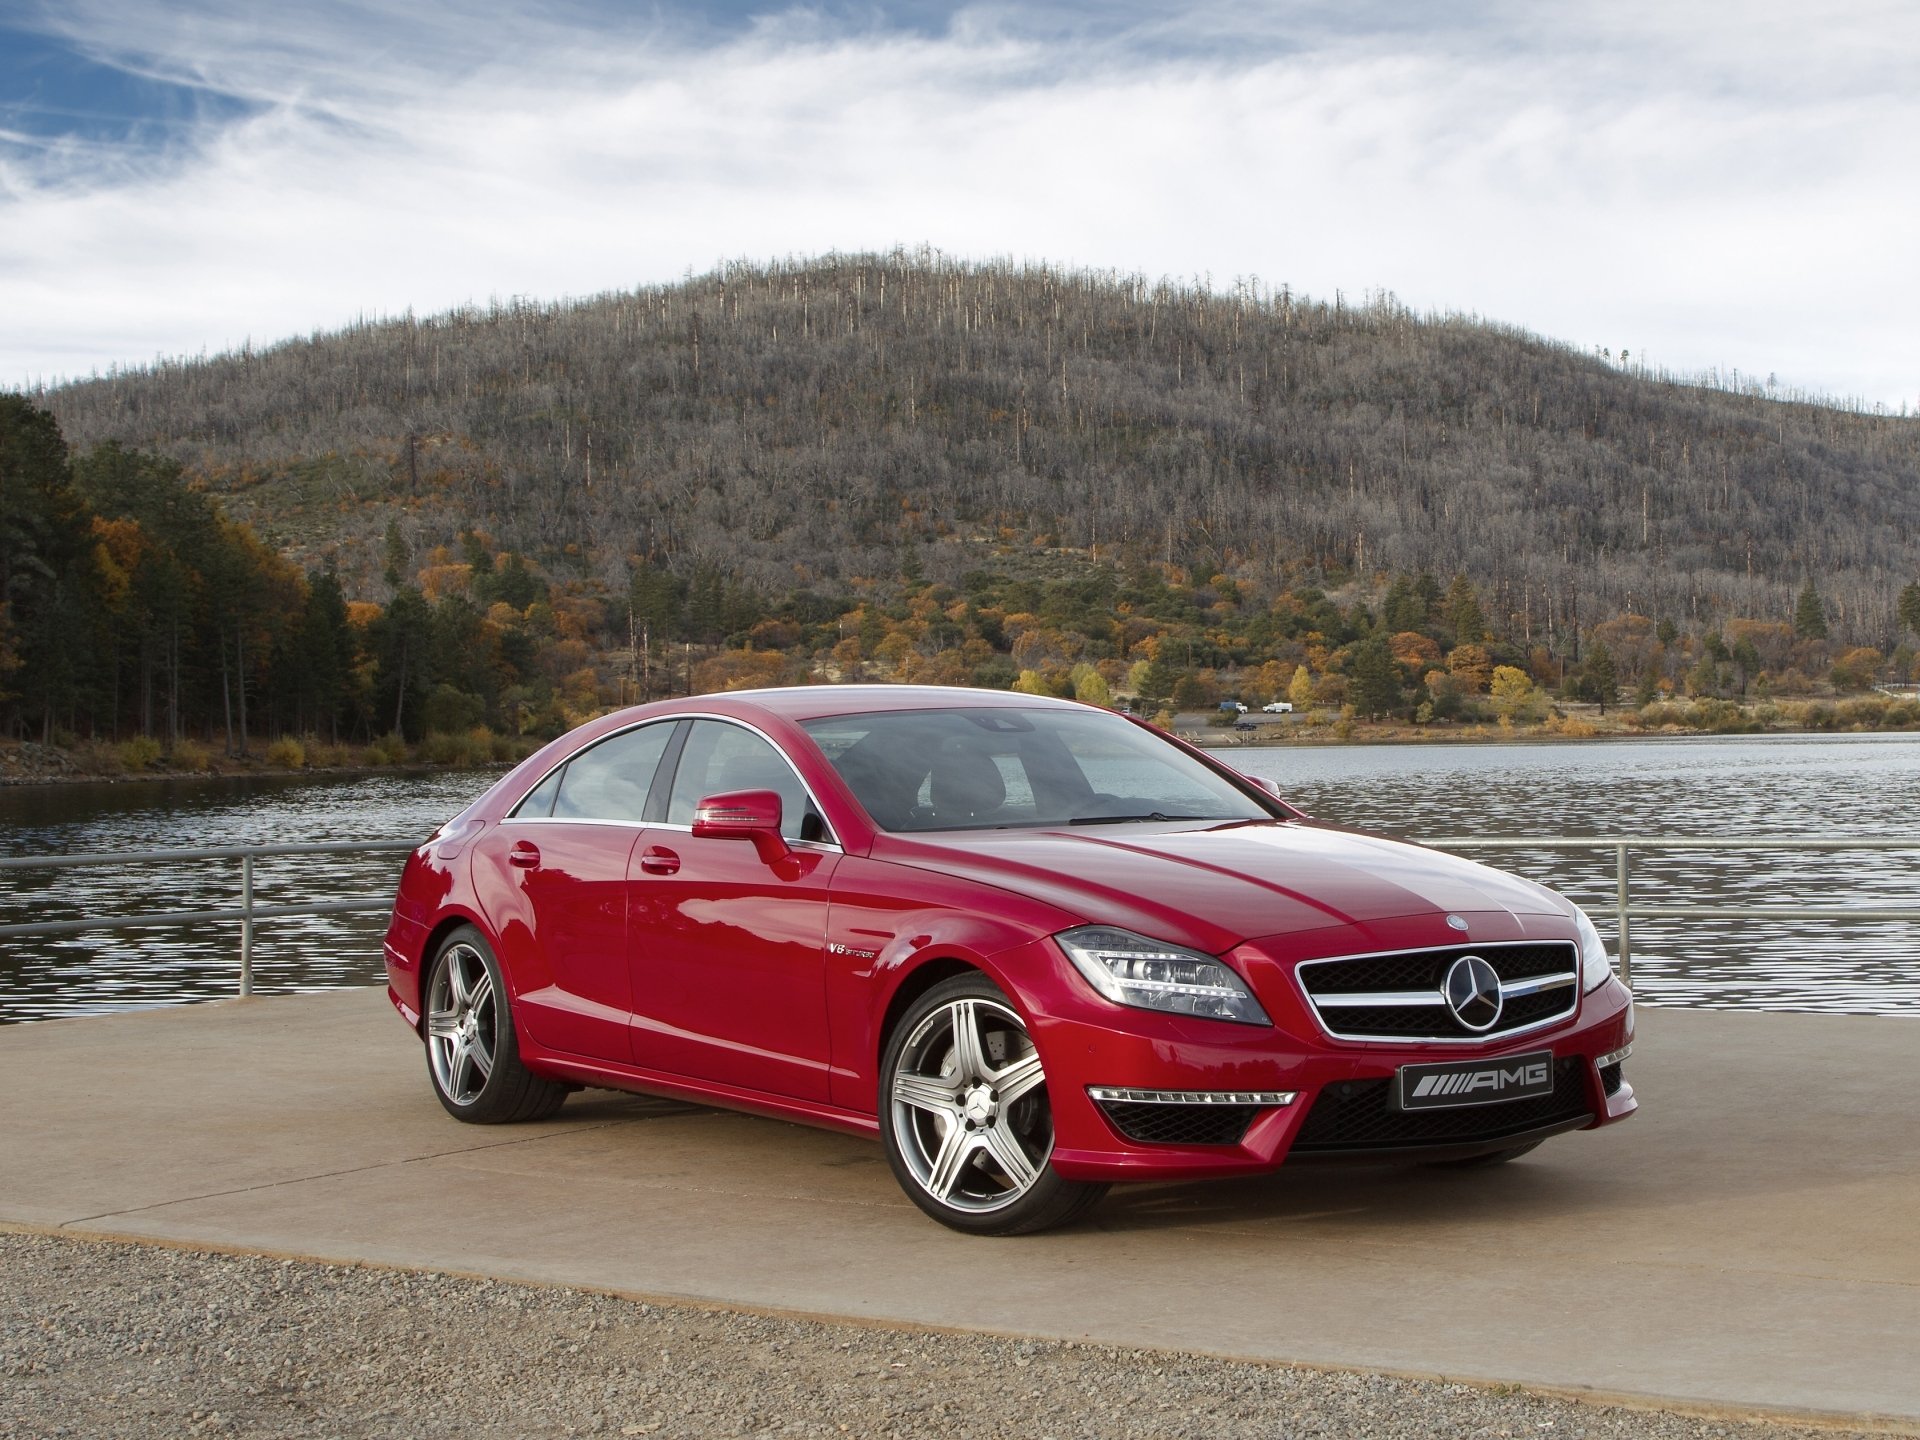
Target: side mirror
[[743, 815]]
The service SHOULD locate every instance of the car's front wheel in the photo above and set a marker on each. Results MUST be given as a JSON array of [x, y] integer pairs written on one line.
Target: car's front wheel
[[472, 1053], [965, 1115]]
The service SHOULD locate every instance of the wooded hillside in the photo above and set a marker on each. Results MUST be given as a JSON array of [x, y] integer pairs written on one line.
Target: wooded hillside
[[810, 424]]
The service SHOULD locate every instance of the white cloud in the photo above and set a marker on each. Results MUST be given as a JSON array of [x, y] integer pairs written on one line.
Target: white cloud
[[1705, 185]]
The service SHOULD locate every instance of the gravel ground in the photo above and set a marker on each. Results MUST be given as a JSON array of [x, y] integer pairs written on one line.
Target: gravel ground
[[105, 1340]]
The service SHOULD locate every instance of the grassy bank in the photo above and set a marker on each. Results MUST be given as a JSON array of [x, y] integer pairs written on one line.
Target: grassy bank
[[144, 758], [1857, 714]]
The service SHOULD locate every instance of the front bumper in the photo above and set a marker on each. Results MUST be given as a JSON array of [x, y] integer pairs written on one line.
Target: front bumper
[[1340, 1108]]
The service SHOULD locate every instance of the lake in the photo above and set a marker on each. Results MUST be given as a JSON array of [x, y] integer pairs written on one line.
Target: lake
[[1787, 786]]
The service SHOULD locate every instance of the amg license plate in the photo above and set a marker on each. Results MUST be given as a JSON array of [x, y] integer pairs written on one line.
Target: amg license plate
[[1473, 1082]]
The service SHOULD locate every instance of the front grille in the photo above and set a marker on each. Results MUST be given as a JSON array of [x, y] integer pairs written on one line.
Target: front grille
[[1180, 1124], [1611, 1077], [1422, 972], [1355, 1115]]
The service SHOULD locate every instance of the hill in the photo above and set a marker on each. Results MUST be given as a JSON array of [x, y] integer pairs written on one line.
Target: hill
[[814, 424]]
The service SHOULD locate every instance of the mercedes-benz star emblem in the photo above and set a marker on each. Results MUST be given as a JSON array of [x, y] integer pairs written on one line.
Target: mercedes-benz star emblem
[[1472, 988], [1456, 922]]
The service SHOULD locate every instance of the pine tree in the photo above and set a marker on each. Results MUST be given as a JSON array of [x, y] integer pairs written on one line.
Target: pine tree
[[1603, 680], [1376, 682], [47, 581], [1463, 612], [1809, 615], [1910, 607], [1403, 609], [395, 572]]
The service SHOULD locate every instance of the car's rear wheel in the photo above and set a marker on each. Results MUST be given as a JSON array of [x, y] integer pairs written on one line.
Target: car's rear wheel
[[965, 1115], [472, 1053]]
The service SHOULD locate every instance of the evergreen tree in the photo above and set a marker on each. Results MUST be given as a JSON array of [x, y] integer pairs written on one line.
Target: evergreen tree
[[324, 650], [1463, 612], [1426, 590], [49, 588], [402, 640], [1910, 607], [1153, 680], [396, 570], [1748, 659], [1809, 615], [1602, 679], [512, 584], [1376, 682], [1403, 609]]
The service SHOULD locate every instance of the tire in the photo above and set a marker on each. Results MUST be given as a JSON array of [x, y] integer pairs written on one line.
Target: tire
[[473, 1057], [1482, 1162], [965, 1116]]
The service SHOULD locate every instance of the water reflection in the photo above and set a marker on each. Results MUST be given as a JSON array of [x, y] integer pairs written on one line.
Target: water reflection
[[1788, 786], [1781, 786], [133, 969]]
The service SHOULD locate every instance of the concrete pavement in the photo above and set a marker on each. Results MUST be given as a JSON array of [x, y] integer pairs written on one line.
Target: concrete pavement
[[1750, 1241]]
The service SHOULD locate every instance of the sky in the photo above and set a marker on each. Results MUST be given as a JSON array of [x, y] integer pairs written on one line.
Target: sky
[[1703, 184]]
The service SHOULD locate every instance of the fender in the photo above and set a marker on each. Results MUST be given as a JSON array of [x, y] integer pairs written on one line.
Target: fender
[[874, 945]]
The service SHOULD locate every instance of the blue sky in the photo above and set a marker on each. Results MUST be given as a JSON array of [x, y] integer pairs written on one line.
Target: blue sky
[[1706, 184]]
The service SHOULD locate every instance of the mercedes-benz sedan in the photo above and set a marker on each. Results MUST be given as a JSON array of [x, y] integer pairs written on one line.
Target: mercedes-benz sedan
[[1034, 947]]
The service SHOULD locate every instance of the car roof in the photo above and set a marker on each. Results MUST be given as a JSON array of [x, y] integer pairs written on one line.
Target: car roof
[[813, 702]]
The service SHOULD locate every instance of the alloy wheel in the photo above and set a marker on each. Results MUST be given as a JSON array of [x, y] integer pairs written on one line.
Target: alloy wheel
[[463, 1025], [970, 1108]]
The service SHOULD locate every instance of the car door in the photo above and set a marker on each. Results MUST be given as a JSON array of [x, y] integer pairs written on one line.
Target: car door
[[554, 874], [727, 950]]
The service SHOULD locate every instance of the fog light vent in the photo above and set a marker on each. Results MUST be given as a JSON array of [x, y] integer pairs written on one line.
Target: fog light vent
[[1185, 1117]]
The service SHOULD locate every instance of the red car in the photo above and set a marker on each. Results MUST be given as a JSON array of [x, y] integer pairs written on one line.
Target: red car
[[1034, 946]]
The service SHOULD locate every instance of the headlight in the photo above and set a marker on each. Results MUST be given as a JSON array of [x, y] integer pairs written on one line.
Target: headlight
[[1595, 967], [1130, 969]]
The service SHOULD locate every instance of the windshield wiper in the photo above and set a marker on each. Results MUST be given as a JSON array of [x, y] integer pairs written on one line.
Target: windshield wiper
[[1124, 819]]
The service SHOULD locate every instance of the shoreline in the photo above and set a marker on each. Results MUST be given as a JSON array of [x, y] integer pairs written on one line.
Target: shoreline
[[1490, 735], [68, 769], [141, 759]]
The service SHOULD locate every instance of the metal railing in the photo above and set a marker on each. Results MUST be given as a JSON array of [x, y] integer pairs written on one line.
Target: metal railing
[[1625, 912], [248, 912]]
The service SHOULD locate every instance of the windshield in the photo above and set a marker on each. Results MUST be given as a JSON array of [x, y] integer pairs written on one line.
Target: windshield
[[990, 768]]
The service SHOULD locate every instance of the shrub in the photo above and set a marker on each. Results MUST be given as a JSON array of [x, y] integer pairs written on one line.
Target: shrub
[[1863, 712], [1658, 716], [1572, 726], [449, 709], [287, 753], [190, 755], [139, 753], [440, 748], [97, 757], [388, 750], [1719, 717]]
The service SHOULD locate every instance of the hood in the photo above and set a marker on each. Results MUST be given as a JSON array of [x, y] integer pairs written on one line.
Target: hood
[[1213, 887]]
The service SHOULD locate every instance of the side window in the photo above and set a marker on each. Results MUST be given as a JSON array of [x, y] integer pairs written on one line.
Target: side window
[[610, 781], [719, 758], [539, 802]]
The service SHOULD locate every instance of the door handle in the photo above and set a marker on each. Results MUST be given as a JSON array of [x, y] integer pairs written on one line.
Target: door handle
[[524, 853], [658, 860]]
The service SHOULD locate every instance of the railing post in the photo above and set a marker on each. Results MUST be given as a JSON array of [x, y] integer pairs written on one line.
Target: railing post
[[246, 925], [1620, 909]]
